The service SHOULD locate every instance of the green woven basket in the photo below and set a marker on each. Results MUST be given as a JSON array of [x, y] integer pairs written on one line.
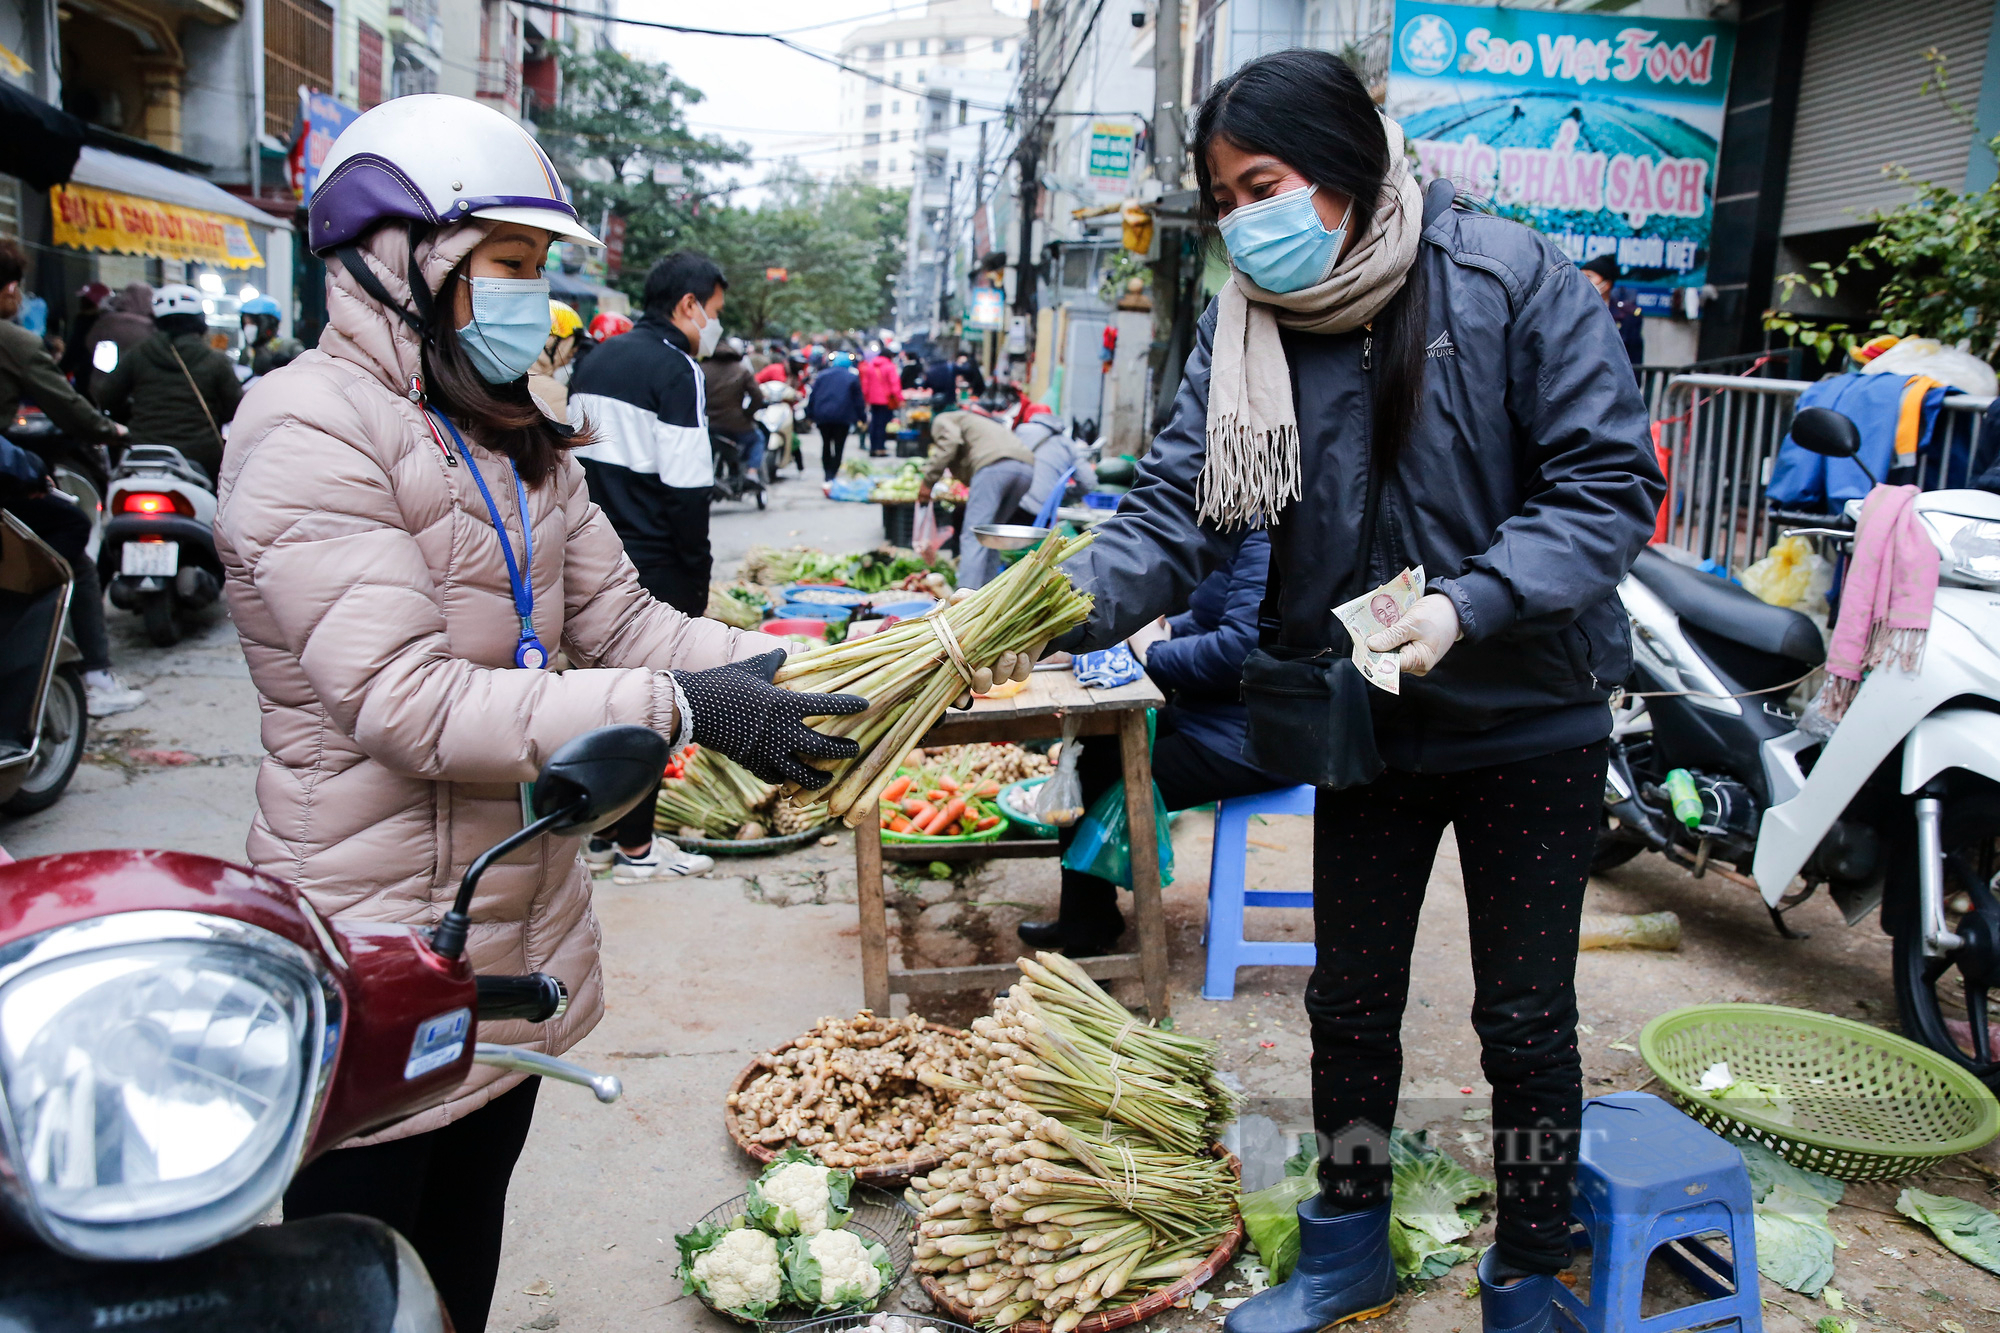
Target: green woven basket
[[1864, 1104]]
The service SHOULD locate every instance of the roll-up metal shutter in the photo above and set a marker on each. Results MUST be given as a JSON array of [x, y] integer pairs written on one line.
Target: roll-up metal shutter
[[1859, 108]]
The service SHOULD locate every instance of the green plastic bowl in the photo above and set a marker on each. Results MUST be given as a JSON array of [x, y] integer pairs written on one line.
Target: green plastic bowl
[[1864, 1104], [1035, 827], [998, 831]]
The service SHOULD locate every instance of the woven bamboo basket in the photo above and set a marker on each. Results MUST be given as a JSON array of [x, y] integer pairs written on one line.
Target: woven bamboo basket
[[1122, 1316], [891, 1175], [878, 1216]]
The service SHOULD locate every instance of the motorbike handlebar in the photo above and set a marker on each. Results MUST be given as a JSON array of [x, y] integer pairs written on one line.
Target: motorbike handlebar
[[537, 997]]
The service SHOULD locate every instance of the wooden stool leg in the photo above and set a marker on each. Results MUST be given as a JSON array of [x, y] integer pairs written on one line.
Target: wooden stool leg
[[874, 913], [1138, 767]]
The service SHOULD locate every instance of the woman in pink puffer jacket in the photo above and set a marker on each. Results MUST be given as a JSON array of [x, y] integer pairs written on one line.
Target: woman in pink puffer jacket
[[369, 578]]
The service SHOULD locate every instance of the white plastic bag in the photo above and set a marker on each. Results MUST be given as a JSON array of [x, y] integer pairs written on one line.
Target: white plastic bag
[[1059, 801], [1947, 365]]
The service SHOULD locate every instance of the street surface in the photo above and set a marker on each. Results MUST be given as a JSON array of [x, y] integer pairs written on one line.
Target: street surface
[[702, 975]]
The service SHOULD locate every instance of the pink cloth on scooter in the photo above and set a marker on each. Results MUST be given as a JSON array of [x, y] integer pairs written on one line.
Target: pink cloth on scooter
[[1886, 599]]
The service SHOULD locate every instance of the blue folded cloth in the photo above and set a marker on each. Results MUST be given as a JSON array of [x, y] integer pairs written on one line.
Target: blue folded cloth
[[1111, 667]]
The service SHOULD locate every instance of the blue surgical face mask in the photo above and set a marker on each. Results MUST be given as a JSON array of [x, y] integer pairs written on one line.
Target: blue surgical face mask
[[510, 325], [1280, 244]]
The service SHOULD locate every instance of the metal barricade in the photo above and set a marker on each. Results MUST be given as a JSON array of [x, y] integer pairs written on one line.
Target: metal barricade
[[1722, 434]]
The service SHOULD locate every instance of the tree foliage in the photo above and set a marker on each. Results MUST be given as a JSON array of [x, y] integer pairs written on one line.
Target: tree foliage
[[1939, 255], [618, 119], [840, 243]]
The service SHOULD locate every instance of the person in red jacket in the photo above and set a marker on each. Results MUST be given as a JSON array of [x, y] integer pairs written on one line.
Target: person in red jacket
[[882, 389]]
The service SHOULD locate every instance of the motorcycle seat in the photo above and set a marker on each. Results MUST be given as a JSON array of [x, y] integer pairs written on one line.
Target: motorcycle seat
[[1722, 608]]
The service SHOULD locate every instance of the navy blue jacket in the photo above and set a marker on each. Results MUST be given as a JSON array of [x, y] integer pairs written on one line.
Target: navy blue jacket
[[1202, 664], [836, 398], [1526, 491]]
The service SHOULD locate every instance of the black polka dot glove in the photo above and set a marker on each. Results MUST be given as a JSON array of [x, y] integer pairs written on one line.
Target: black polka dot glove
[[737, 710]]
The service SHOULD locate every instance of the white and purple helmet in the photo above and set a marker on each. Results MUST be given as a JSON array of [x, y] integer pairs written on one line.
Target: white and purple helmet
[[434, 159]]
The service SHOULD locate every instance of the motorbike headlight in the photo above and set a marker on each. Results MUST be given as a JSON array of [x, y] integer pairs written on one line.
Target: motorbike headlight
[[160, 1072], [1970, 547]]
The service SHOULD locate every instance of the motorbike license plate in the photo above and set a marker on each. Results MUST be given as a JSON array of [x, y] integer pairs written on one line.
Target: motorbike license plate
[[150, 558]]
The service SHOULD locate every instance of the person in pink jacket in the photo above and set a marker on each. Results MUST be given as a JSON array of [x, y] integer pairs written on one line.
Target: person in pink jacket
[[409, 546], [882, 390]]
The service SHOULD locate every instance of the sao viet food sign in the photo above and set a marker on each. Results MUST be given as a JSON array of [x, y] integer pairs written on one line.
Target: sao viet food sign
[[1600, 132]]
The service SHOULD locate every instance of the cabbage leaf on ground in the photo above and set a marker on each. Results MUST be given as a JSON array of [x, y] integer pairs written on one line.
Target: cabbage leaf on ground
[[1794, 1243], [1961, 1226], [1430, 1208]]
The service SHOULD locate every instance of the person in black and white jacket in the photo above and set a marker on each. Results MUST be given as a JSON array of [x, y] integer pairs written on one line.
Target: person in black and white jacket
[[651, 469]]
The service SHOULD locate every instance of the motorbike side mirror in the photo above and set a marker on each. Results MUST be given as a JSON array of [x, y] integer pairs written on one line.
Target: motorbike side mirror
[[1831, 435], [599, 776], [1826, 432], [586, 784]]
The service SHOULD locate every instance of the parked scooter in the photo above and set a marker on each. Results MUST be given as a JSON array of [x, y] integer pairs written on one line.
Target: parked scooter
[[733, 481], [43, 718], [158, 556], [781, 439], [1900, 808], [181, 1035], [79, 470]]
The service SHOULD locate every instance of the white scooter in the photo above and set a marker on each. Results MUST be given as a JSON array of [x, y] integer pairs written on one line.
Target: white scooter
[[158, 557], [1900, 807]]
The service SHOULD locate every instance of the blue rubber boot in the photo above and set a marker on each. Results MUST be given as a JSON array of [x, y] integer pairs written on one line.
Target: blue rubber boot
[[1345, 1273], [1525, 1305]]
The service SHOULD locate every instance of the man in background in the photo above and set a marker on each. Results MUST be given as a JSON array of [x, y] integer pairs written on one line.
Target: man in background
[[1602, 273], [997, 470], [650, 469], [835, 407]]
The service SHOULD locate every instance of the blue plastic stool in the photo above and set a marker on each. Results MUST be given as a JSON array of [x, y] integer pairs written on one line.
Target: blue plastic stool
[[1227, 949], [1647, 1175]]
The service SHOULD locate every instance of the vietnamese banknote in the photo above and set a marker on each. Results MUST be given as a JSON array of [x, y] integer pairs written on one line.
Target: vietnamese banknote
[[1373, 612]]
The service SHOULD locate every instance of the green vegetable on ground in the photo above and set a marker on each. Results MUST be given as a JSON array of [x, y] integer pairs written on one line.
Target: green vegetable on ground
[[1961, 1226], [1428, 1209], [1794, 1243]]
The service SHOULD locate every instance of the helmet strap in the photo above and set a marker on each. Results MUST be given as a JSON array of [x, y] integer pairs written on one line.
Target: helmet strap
[[350, 259]]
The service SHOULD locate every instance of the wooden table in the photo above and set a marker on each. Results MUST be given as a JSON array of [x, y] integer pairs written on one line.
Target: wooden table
[[1037, 712]]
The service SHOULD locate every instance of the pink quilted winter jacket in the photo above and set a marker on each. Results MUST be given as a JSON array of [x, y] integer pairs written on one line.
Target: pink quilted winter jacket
[[371, 596]]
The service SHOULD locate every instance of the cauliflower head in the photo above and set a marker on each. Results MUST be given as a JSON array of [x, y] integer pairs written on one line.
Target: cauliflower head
[[797, 1196], [739, 1271], [836, 1270]]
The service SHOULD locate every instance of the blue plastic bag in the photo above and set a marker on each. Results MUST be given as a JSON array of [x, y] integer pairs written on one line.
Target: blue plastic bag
[[1103, 845]]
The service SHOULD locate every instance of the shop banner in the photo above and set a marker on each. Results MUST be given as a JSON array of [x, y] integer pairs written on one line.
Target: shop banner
[[988, 309], [321, 119], [88, 218], [1600, 132], [1111, 145]]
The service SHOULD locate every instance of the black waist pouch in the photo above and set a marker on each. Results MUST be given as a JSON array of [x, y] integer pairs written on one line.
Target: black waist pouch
[[1309, 719]]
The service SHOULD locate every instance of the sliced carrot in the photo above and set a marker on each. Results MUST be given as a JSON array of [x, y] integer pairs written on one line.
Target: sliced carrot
[[988, 789], [894, 791], [946, 817], [986, 823]]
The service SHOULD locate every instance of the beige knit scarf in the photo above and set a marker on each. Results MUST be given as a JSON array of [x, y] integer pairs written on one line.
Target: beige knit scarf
[[1252, 468]]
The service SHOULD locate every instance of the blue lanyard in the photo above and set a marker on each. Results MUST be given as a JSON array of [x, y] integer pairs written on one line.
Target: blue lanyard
[[529, 652]]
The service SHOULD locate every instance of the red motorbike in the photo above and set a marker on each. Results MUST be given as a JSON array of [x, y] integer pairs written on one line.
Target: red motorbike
[[179, 1035]]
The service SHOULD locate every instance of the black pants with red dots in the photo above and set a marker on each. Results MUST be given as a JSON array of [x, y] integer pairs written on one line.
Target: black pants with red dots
[[1525, 832]]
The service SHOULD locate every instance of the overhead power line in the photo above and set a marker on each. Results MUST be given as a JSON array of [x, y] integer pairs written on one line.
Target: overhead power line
[[814, 53]]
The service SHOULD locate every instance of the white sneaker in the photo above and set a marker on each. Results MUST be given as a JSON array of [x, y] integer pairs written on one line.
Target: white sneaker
[[597, 853], [663, 860], [105, 695]]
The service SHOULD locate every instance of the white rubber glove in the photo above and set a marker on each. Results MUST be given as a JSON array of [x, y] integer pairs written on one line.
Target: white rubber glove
[[1425, 634]]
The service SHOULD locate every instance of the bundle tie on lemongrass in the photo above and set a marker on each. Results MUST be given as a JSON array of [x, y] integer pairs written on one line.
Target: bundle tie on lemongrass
[[949, 641]]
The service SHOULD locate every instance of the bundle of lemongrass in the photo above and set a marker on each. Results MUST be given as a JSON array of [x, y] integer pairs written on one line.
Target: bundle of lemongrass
[[1079, 1176], [1063, 1046], [911, 672], [1032, 1217], [707, 792]]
